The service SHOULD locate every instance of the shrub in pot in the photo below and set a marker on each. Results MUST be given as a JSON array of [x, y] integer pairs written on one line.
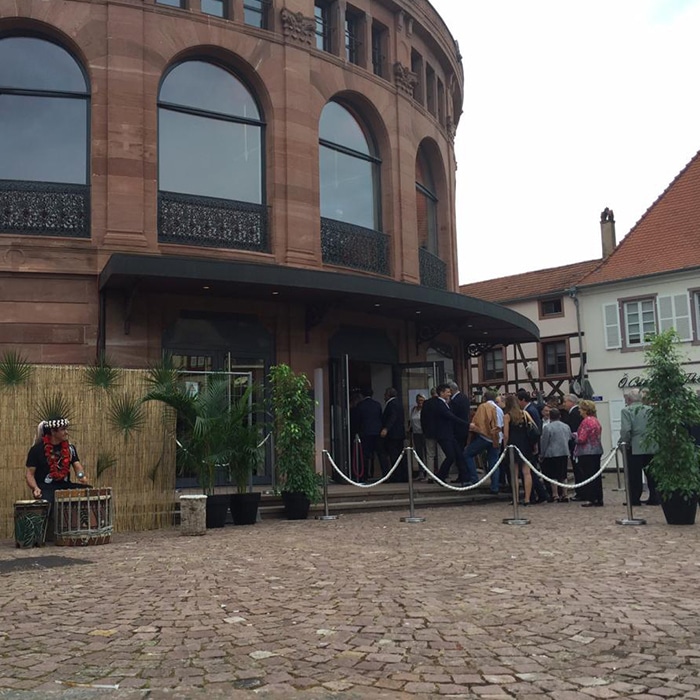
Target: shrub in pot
[[293, 430], [675, 407]]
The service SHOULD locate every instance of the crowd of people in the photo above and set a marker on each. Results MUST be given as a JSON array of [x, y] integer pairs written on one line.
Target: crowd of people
[[559, 436]]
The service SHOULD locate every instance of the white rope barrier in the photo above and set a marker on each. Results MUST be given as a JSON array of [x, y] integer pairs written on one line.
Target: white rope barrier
[[437, 479], [603, 466], [360, 484]]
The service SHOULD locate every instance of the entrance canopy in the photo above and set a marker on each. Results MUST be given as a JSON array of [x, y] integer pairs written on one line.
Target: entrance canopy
[[433, 310]]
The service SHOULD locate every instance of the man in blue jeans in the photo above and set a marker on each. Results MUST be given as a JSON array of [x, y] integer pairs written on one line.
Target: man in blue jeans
[[486, 436]]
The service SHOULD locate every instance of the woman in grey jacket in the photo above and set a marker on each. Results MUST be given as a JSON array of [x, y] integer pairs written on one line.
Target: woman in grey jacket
[[554, 453]]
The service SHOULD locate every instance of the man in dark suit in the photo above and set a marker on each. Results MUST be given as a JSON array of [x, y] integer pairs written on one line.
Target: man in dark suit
[[393, 434], [445, 425], [434, 455], [460, 406], [366, 418]]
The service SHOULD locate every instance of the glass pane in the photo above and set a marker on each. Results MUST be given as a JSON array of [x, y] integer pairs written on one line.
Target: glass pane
[[209, 157], [209, 88], [253, 13], [34, 64], [338, 126], [213, 7], [347, 188], [171, 3], [43, 139]]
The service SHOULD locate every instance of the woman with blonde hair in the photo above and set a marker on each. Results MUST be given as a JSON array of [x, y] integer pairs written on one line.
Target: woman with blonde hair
[[587, 452], [515, 432]]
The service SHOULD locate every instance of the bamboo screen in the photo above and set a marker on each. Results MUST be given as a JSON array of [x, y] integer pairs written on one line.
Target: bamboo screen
[[142, 477]]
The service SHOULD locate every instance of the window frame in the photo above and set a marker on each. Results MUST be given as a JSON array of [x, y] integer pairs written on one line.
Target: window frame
[[262, 8], [86, 98], [484, 375], [352, 36], [544, 374], [379, 34], [694, 294], [624, 330], [544, 315], [325, 22], [193, 111]]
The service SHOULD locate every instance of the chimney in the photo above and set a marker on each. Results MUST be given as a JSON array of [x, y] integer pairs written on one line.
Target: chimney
[[607, 231]]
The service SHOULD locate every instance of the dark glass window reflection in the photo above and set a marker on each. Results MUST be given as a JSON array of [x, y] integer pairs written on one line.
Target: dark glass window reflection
[[348, 170], [255, 13], [210, 135], [44, 113], [426, 205], [216, 8]]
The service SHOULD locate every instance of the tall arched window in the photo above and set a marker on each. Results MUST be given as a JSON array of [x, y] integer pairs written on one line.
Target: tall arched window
[[426, 205], [210, 159], [349, 171], [433, 271], [44, 117]]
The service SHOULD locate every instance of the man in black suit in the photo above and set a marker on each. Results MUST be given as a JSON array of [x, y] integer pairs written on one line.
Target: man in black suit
[[434, 455], [445, 425], [366, 419], [393, 434], [460, 406]]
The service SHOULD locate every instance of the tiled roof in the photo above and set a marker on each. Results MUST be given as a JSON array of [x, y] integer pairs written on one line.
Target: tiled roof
[[530, 285], [665, 239]]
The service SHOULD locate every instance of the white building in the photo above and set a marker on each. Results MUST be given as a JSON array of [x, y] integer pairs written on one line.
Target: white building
[[650, 282]]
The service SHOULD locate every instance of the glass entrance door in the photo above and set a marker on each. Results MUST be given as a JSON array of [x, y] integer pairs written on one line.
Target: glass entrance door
[[419, 379]]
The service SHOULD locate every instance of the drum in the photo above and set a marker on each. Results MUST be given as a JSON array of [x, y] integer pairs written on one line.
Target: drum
[[31, 520], [83, 517]]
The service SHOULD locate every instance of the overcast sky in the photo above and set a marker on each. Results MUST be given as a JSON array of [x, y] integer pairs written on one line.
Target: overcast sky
[[569, 107]]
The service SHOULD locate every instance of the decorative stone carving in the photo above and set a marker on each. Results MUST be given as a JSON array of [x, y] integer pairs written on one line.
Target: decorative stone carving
[[451, 129], [406, 80], [297, 27]]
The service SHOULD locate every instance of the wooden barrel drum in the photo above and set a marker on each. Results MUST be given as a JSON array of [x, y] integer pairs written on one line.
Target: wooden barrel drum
[[83, 517], [31, 520]]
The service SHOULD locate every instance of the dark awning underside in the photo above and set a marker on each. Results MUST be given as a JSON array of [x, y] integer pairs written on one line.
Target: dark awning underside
[[473, 320]]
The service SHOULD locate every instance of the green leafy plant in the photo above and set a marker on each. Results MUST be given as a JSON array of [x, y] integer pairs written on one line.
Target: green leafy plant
[[293, 431], [674, 407], [52, 406], [104, 462], [213, 429], [163, 374], [126, 414], [102, 375], [14, 370]]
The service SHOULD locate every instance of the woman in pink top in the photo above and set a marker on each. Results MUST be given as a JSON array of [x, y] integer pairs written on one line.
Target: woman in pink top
[[587, 452]]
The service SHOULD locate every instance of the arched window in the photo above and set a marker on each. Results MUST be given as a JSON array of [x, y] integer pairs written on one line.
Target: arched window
[[210, 145], [426, 205], [43, 113], [349, 170]]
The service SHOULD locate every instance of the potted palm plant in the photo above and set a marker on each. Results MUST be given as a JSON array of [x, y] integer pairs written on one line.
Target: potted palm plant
[[674, 408], [208, 428], [294, 440]]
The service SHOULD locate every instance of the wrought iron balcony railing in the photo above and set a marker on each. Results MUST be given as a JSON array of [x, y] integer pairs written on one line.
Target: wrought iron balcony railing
[[354, 246], [211, 222], [433, 271], [44, 208]]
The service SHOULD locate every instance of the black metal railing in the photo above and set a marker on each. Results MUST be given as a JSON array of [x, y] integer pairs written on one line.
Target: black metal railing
[[354, 246], [433, 271], [211, 222], [44, 208]]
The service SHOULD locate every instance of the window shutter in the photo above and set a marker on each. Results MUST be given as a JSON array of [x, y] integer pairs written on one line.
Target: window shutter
[[674, 312], [611, 320]]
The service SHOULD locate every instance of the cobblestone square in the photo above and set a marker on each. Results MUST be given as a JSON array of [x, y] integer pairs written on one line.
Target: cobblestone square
[[460, 606]]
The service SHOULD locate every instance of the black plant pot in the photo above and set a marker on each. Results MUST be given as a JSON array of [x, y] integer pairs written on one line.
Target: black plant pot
[[244, 508], [217, 510], [679, 510], [296, 505]]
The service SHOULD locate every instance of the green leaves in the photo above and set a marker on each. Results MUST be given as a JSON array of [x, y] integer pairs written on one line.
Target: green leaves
[[674, 408], [126, 414], [102, 375], [14, 370], [53, 406]]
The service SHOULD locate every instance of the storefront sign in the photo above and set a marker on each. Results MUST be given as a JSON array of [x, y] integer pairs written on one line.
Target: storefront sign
[[628, 382]]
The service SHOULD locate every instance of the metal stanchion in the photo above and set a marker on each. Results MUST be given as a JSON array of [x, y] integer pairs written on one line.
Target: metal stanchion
[[326, 515], [412, 517], [516, 519], [617, 472], [630, 519]]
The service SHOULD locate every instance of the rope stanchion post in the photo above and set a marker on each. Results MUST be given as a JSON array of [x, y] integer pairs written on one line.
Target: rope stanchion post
[[516, 519], [630, 519], [326, 515], [411, 517], [617, 473]]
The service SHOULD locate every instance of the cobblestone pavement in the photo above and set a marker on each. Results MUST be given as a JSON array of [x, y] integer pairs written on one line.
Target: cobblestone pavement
[[364, 607]]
